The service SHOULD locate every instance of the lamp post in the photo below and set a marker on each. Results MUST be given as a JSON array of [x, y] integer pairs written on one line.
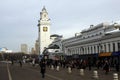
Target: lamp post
[[38, 37]]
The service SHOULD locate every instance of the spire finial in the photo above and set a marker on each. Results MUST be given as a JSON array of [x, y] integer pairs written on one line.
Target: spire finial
[[44, 9]]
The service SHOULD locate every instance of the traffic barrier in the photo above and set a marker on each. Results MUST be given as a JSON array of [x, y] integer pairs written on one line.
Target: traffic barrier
[[115, 76], [82, 72], [95, 75], [58, 68], [69, 70], [52, 67]]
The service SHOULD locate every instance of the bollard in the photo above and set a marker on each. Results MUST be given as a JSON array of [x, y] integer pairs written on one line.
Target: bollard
[[58, 68], [52, 67], [69, 70], [115, 76], [95, 74], [82, 72]]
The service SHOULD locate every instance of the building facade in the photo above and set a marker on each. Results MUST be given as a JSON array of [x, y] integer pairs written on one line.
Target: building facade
[[37, 47], [43, 30], [102, 40], [24, 48], [56, 43]]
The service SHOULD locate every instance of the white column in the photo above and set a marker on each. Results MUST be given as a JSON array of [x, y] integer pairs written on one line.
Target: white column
[[111, 47], [66, 51], [103, 48], [107, 50], [96, 49], [116, 46], [87, 52], [100, 48], [90, 50], [72, 51], [93, 51], [75, 50], [119, 46], [79, 50], [84, 50]]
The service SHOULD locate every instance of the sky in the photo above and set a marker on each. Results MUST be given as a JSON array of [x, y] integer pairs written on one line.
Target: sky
[[19, 18]]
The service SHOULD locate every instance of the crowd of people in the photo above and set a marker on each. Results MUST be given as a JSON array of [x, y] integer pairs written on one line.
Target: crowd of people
[[103, 64]]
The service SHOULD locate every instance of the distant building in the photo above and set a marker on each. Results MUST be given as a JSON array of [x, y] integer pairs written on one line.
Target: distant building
[[37, 47], [5, 50], [33, 51], [24, 48]]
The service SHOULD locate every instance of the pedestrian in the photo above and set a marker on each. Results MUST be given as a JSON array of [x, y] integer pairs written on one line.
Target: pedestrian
[[117, 67], [106, 67], [43, 68], [12, 59], [33, 62], [20, 62], [89, 65], [116, 64], [84, 64]]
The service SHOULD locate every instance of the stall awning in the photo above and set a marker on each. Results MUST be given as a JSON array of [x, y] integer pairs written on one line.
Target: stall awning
[[75, 56], [105, 54], [116, 53]]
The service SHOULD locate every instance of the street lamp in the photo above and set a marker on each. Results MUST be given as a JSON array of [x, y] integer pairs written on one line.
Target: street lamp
[[38, 37]]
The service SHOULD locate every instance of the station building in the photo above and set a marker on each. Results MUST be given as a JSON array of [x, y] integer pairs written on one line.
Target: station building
[[102, 40]]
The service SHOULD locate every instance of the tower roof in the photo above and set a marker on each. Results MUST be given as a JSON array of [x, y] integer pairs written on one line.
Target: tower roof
[[44, 9]]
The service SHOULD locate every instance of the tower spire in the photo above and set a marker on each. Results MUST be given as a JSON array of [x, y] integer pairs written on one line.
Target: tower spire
[[44, 14], [44, 9]]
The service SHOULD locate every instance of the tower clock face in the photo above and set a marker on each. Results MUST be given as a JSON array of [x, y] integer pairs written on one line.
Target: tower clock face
[[44, 15], [45, 29]]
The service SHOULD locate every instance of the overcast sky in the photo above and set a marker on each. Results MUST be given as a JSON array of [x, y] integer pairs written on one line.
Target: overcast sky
[[19, 18]]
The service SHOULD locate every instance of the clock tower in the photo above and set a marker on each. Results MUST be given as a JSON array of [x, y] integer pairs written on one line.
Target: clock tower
[[43, 30]]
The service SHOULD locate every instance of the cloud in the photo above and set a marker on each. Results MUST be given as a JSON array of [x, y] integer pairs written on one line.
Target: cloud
[[19, 18]]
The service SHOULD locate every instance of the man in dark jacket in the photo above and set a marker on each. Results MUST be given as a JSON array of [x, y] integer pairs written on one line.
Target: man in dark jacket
[[106, 67], [42, 67]]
